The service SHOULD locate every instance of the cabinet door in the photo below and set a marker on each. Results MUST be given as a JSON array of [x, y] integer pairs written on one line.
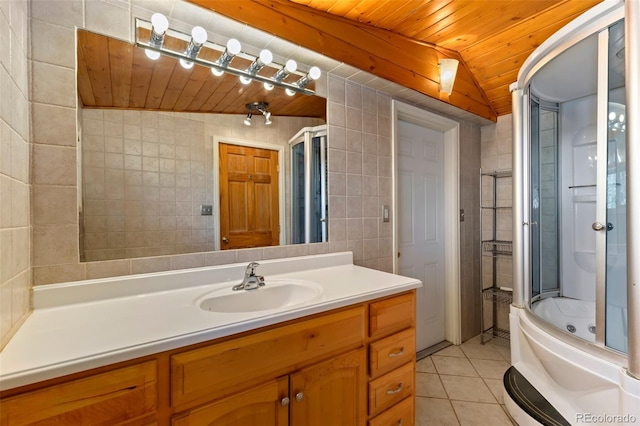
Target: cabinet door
[[259, 406], [331, 392]]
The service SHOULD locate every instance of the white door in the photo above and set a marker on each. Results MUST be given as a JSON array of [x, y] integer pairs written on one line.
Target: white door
[[421, 225]]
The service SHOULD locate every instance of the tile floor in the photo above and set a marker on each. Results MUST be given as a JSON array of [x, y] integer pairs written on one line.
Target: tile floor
[[462, 385]]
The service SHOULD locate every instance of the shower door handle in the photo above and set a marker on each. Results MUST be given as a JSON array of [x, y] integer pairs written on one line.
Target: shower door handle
[[597, 226]]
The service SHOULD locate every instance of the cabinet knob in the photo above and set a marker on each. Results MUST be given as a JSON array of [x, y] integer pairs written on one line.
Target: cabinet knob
[[299, 396], [400, 422], [284, 401], [225, 240]]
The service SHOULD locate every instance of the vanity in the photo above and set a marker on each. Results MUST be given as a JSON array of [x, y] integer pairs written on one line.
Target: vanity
[[332, 344]]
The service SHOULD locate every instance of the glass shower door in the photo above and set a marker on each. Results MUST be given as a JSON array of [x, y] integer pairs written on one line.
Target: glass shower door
[[616, 212]]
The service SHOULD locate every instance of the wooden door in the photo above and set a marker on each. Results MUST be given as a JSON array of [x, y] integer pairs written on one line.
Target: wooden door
[[332, 392], [258, 406], [249, 207]]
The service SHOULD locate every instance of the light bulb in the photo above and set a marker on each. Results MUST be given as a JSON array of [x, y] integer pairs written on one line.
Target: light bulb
[[289, 92], [267, 120], [447, 75], [315, 73], [186, 64], [291, 66], [266, 56], [216, 72], [160, 23], [245, 80], [612, 116], [152, 54], [247, 121], [268, 86], [621, 118], [233, 46], [199, 35]]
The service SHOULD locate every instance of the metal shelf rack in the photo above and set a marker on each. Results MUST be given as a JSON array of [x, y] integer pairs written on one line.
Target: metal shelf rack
[[500, 298]]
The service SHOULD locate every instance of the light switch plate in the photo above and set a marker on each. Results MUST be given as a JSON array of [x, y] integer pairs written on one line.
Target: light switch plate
[[385, 213], [206, 209]]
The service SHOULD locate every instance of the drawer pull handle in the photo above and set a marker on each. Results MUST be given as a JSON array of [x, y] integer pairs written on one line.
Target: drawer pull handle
[[284, 401], [396, 390], [395, 354]]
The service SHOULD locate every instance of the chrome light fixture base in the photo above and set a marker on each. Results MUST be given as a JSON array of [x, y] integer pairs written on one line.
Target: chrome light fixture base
[[220, 66]]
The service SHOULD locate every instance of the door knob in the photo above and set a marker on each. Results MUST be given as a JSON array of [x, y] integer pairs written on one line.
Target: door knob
[[597, 226], [225, 240]]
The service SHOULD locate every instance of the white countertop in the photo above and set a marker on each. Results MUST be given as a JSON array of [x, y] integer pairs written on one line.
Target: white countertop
[[88, 324]]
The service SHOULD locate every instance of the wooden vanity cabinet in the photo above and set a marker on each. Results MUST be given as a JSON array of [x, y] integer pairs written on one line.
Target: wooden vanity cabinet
[[392, 360], [353, 366]]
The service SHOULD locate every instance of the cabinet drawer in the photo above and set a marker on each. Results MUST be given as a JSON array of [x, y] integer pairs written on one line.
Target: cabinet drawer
[[391, 352], [391, 388], [399, 414], [390, 315], [110, 398], [218, 370]]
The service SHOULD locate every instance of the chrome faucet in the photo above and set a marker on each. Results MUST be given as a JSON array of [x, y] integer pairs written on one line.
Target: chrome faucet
[[251, 281]]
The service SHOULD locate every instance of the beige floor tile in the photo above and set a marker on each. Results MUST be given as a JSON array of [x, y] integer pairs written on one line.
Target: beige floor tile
[[504, 351], [454, 366], [434, 411], [467, 389], [451, 351], [488, 368], [478, 351], [425, 365], [496, 387], [480, 414], [429, 385]]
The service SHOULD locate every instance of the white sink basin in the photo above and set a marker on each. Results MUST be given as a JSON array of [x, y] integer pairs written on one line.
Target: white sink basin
[[276, 294]]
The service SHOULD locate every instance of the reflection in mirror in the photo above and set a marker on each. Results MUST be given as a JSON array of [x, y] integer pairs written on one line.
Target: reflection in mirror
[[147, 131], [309, 207]]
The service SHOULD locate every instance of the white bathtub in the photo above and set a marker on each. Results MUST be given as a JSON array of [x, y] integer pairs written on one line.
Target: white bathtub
[[584, 383], [577, 317]]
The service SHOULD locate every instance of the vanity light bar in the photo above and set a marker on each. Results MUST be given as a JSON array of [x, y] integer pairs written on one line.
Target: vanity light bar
[[223, 63]]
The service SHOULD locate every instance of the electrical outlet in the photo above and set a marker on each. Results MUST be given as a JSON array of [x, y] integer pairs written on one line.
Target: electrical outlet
[[206, 209]]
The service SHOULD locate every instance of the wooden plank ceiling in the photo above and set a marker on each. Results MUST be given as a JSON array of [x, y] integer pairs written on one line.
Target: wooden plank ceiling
[[116, 74], [402, 41]]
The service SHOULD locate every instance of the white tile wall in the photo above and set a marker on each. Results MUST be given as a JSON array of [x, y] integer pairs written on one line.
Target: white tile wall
[[15, 222]]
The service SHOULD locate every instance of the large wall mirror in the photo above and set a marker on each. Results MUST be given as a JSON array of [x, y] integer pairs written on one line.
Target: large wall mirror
[[168, 164]]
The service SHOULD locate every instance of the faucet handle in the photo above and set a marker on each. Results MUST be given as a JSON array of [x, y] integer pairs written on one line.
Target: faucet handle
[[251, 268]]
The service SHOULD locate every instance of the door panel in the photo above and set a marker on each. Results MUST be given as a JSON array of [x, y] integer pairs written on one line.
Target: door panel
[[249, 208]]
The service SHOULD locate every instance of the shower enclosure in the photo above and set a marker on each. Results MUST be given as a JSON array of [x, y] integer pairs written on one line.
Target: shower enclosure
[[572, 333], [309, 206]]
